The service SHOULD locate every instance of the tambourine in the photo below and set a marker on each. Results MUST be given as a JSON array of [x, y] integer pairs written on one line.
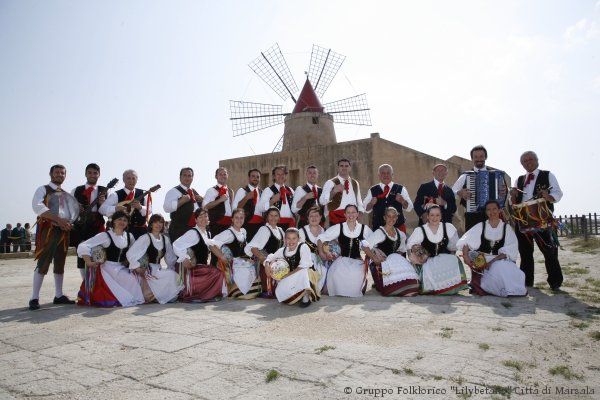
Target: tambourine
[[279, 269]]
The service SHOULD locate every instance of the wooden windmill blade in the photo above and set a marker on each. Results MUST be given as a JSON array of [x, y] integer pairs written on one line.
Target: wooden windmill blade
[[324, 66], [352, 110], [249, 117], [272, 68]]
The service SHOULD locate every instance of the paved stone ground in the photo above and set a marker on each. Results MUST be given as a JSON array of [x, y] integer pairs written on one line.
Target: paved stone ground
[[373, 346]]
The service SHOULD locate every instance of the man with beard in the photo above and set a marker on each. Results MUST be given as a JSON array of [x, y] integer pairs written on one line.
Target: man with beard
[[181, 202], [217, 201], [247, 198], [307, 196]]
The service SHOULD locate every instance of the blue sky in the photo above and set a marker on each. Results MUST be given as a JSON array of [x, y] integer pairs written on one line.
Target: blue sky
[[146, 84]]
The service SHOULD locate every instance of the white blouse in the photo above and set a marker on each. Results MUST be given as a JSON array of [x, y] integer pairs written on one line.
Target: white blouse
[[417, 236], [138, 249], [379, 235], [305, 255], [472, 238], [265, 199], [227, 237], [333, 232], [262, 237], [102, 239], [188, 240], [311, 237]]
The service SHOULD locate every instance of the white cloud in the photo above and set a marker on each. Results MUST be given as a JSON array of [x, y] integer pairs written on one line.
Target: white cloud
[[584, 30]]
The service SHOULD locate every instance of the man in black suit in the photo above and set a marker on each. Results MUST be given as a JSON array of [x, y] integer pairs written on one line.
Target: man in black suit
[[436, 192]]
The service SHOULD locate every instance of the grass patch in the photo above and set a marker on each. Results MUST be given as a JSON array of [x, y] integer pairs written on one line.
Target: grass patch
[[572, 314], [541, 285], [592, 297], [595, 335], [504, 391], [271, 375], [498, 329], [459, 380], [595, 283], [586, 246], [565, 371], [408, 371], [437, 378], [570, 284], [323, 349], [581, 325], [395, 371], [484, 346], [518, 365], [575, 270], [446, 332], [506, 304]]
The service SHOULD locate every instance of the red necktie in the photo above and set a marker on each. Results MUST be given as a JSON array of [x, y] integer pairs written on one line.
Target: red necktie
[[283, 192], [222, 190], [88, 194], [255, 199], [386, 190], [130, 195], [347, 186], [440, 189], [315, 193], [530, 177], [190, 193]]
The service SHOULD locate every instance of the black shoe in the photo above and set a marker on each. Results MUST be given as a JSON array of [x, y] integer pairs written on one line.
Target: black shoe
[[63, 300], [304, 305], [34, 304], [555, 288]]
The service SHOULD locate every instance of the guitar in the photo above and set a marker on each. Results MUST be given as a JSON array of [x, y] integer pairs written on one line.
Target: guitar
[[86, 214], [127, 203]]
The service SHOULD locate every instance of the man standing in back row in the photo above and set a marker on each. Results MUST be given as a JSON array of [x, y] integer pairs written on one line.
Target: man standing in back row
[[247, 198], [181, 202], [340, 191]]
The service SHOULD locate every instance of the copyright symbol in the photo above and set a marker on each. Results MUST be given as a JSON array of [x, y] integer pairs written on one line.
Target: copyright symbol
[[348, 390]]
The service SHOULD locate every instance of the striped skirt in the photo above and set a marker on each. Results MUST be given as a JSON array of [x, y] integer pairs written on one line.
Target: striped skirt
[[292, 288], [395, 277]]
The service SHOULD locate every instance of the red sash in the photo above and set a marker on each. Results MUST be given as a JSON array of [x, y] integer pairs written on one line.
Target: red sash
[[337, 217]]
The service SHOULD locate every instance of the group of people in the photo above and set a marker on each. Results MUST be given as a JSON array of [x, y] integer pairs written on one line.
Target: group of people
[[272, 242], [19, 238]]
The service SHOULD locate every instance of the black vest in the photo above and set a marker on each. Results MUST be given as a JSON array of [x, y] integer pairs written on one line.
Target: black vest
[[435, 248], [310, 203], [137, 219], [154, 255], [249, 206], [350, 247], [200, 249], [486, 245], [115, 254], [542, 182], [389, 246], [288, 196], [236, 247], [218, 211], [78, 194], [312, 246], [382, 204], [294, 259], [182, 215], [273, 244]]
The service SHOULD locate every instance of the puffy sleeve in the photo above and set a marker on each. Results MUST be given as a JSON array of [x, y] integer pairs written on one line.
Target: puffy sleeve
[[332, 233], [472, 238], [170, 256], [239, 195], [37, 203], [222, 238], [85, 248], [327, 187], [402, 247], [137, 250], [258, 241], [452, 236], [305, 257], [180, 246], [265, 199], [108, 207], [415, 238], [278, 254], [374, 239], [511, 245]]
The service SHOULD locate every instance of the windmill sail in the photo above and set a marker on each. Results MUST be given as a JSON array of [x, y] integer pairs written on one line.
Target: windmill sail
[[324, 65], [272, 68], [352, 110], [249, 117]]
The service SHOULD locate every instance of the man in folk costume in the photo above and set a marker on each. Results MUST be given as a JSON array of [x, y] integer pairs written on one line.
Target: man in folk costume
[[279, 195], [217, 201], [340, 191], [478, 156], [387, 194], [52, 240], [436, 192], [537, 184], [86, 194], [140, 209], [181, 202], [247, 198], [307, 196]]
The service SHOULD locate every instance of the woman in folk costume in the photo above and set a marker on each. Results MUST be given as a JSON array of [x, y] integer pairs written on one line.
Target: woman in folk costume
[[163, 285], [433, 246], [110, 283], [267, 240], [202, 282], [309, 234], [490, 248], [240, 271], [392, 273], [300, 283], [347, 275]]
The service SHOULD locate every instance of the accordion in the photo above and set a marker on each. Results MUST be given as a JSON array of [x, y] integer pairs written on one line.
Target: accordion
[[485, 186]]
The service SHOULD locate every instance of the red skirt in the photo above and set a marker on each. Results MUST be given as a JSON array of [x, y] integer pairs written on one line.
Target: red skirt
[[201, 283], [407, 287], [475, 284], [95, 292]]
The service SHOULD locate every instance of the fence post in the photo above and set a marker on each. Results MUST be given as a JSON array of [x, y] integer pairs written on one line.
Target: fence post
[[584, 227], [595, 224]]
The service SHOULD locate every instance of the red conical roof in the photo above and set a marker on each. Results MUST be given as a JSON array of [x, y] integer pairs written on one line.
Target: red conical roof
[[308, 100]]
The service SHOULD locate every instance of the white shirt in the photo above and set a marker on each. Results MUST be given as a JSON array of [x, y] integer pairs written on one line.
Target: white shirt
[[299, 194], [403, 193], [460, 182], [311, 237], [108, 207], [102, 239], [555, 192], [347, 198], [417, 236], [227, 237], [189, 239], [473, 239], [172, 197], [139, 248], [93, 196], [265, 198], [305, 255], [37, 203], [212, 194], [333, 232], [379, 235], [262, 237], [241, 193]]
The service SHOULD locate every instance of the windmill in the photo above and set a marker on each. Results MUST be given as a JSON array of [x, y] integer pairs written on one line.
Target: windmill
[[310, 121]]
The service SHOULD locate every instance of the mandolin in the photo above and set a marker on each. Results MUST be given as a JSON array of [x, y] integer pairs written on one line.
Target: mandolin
[[127, 203], [86, 215]]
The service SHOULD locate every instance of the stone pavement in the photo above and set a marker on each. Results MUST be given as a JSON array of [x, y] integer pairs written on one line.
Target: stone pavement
[[372, 347]]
